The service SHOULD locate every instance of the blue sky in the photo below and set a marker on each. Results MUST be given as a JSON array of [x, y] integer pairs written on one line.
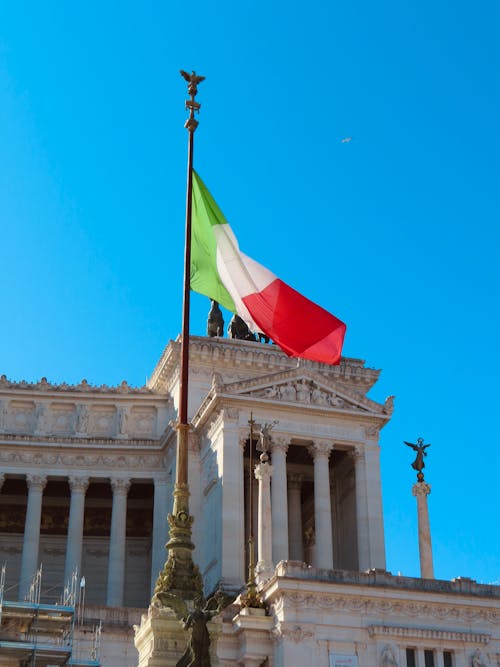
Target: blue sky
[[396, 232]]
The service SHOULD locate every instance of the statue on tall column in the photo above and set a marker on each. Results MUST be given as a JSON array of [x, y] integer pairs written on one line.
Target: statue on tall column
[[418, 464]]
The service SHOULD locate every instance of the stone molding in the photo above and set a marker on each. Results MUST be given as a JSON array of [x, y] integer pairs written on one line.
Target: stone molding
[[421, 489], [428, 633], [78, 484], [78, 438]]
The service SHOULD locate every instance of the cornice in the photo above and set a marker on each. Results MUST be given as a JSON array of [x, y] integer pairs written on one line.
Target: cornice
[[225, 353], [44, 385]]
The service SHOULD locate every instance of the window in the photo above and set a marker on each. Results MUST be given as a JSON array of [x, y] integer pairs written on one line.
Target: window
[[447, 659], [429, 658], [410, 658]]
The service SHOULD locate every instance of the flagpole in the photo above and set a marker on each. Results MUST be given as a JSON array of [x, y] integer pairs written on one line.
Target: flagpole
[[180, 576]]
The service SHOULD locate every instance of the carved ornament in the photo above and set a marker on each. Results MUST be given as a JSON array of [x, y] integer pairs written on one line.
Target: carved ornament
[[294, 633], [421, 489], [320, 449], [120, 485], [36, 482], [83, 386]]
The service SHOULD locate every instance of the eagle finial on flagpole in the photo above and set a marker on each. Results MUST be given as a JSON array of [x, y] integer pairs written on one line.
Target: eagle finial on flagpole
[[193, 80]]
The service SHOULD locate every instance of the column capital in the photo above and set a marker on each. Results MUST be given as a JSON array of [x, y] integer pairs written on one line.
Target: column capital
[[279, 444], [357, 454], [263, 471], [120, 485], [36, 482], [421, 489], [372, 431], [320, 449], [78, 483], [162, 479]]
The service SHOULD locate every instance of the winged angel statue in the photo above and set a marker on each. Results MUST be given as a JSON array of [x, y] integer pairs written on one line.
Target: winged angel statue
[[197, 653], [418, 464]]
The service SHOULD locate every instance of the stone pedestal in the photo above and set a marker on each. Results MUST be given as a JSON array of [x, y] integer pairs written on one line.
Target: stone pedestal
[[161, 639], [252, 628], [421, 490]]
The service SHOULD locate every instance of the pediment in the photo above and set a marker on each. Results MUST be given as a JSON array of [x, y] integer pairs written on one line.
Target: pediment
[[304, 387]]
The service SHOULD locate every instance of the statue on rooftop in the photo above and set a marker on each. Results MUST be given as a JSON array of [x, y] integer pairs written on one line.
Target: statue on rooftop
[[215, 322], [238, 329]]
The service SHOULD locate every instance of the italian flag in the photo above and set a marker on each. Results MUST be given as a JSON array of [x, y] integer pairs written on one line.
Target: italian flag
[[222, 272]]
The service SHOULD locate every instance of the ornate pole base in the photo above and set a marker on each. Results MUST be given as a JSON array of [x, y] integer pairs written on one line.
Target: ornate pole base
[[180, 576]]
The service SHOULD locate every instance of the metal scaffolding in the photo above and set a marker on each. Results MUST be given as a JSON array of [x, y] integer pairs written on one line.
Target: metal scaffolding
[[36, 634]]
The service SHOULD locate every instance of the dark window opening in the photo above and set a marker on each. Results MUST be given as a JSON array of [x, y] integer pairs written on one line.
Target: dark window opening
[[410, 657], [429, 658]]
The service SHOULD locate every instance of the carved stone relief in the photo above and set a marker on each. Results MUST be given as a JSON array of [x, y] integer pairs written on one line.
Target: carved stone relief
[[143, 421], [102, 420], [21, 417], [306, 392]]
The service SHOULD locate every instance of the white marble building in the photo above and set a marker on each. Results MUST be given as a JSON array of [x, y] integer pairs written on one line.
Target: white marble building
[[87, 475]]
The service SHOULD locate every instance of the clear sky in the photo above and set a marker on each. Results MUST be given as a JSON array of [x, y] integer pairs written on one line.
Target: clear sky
[[395, 232]]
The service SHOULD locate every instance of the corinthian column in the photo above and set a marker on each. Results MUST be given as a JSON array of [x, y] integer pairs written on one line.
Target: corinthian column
[[263, 472], [320, 451], [279, 504], [78, 486], [295, 517], [31, 542], [421, 490], [362, 523], [116, 563]]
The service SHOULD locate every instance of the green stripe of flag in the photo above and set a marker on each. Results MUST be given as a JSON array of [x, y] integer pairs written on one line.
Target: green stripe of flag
[[205, 278]]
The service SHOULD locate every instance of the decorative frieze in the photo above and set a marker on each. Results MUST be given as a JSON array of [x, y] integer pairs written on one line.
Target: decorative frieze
[[82, 461], [368, 605]]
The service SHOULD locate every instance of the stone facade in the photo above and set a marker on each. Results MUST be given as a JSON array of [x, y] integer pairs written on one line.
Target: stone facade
[[87, 478]]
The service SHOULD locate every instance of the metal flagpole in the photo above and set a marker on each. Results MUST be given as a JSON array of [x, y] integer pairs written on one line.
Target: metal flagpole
[[180, 576]]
